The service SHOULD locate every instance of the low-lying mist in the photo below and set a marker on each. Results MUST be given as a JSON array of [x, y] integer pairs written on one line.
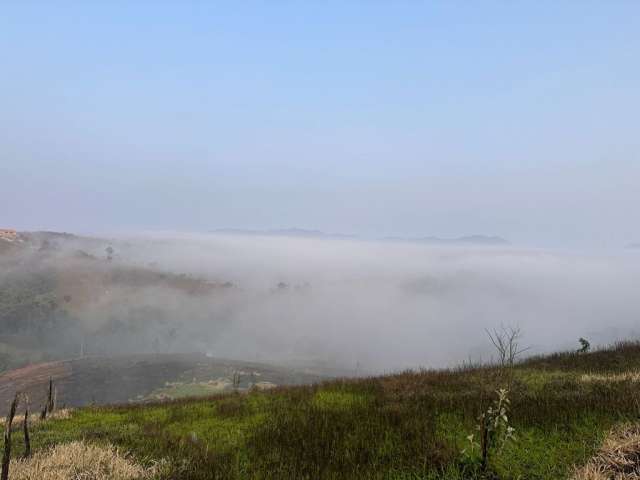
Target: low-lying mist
[[354, 305]]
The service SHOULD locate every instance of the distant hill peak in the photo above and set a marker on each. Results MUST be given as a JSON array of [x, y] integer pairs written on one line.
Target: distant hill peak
[[465, 240], [283, 232], [491, 240]]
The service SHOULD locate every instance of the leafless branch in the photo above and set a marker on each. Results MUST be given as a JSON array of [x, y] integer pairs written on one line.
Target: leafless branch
[[506, 341]]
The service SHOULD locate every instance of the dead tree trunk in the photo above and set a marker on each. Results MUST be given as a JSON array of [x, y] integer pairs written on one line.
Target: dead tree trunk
[[6, 457], [50, 402], [25, 428]]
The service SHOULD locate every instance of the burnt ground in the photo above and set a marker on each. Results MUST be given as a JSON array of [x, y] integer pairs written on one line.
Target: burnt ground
[[108, 380]]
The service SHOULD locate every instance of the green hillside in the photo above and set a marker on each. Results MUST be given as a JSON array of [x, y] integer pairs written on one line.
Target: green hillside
[[412, 425]]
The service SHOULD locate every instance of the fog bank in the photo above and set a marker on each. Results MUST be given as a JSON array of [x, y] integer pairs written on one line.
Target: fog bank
[[384, 306], [353, 305]]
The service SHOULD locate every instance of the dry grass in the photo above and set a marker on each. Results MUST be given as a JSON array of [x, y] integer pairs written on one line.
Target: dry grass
[[80, 461], [34, 417], [632, 376], [617, 459]]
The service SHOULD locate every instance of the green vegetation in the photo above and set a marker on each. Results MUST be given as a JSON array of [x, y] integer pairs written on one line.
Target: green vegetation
[[177, 390], [412, 425], [28, 303], [44, 314]]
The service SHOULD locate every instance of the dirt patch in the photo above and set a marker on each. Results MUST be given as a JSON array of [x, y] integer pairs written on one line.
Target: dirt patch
[[32, 380], [109, 380]]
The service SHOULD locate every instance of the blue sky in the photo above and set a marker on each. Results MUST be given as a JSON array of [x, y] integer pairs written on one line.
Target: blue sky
[[376, 118]]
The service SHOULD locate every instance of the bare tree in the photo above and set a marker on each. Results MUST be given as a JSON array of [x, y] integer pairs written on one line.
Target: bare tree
[[506, 340]]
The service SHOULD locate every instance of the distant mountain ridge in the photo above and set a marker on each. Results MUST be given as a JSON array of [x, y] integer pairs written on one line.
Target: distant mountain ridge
[[465, 240], [37, 238], [299, 232], [283, 232]]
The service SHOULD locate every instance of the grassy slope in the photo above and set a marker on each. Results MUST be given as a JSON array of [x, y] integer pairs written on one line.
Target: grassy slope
[[406, 426]]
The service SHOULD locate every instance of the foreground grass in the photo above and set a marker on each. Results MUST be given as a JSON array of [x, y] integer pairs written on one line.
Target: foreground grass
[[408, 426]]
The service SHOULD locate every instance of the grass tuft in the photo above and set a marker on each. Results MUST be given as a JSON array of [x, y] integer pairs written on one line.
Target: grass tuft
[[79, 460]]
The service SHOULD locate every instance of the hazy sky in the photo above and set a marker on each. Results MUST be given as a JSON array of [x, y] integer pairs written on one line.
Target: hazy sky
[[518, 119]]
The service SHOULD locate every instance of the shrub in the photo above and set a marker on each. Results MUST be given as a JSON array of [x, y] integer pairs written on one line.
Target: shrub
[[494, 431]]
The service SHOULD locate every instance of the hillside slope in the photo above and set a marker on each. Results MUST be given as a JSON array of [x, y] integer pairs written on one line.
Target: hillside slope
[[57, 301], [411, 425]]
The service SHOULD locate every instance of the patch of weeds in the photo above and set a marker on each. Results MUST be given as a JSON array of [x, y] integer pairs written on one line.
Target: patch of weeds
[[339, 400]]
